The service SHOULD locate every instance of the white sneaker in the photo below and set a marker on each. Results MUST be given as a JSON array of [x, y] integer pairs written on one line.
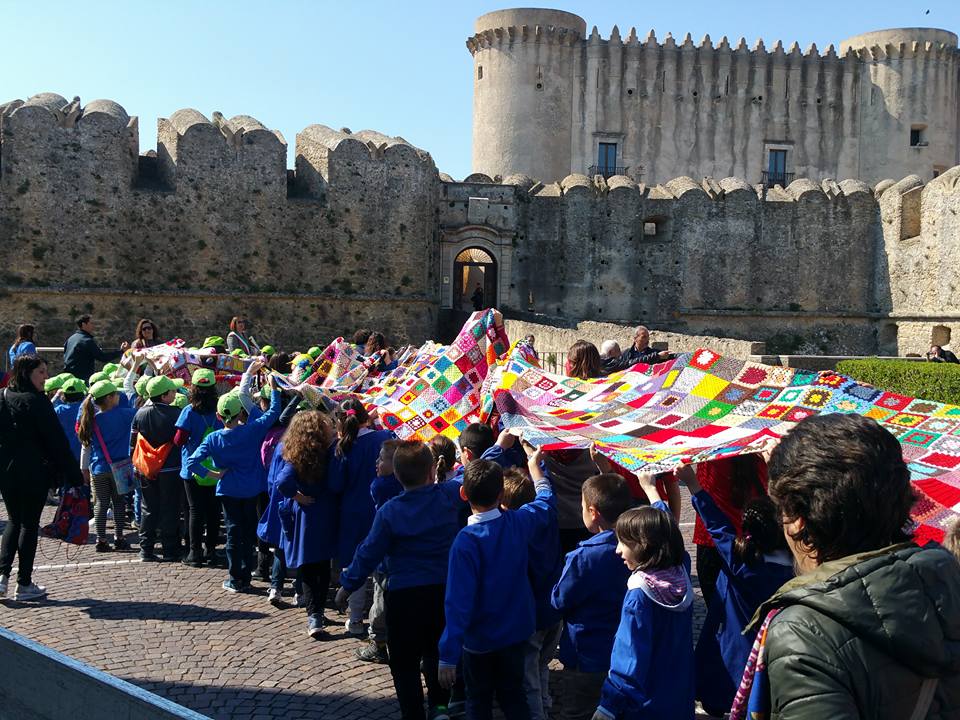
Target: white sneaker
[[273, 597], [298, 600], [4, 583], [30, 592], [92, 524]]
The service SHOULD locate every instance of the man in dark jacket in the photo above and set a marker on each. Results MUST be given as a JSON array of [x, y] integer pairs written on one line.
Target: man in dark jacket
[[871, 626], [639, 352], [81, 351]]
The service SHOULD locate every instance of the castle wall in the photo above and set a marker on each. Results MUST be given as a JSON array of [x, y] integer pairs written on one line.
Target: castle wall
[[221, 236]]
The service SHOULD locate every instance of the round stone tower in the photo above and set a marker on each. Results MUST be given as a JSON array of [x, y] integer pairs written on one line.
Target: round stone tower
[[524, 63], [909, 110]]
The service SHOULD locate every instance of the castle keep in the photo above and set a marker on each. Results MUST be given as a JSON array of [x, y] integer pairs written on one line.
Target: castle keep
[[366, 232], [551, 100]]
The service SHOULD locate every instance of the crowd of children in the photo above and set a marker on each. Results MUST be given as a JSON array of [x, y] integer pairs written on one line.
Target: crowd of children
[[460, 543]]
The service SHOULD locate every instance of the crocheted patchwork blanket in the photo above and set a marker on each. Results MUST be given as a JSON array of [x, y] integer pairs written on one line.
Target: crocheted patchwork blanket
[[702, 406]]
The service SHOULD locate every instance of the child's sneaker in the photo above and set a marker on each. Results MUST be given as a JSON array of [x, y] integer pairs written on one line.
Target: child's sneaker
[[315, 627], [298, 600], [121, 544], [373, 652], [273, 597], [231, 586], [30, 592], [4, 584], [438, 713], [103, 546]]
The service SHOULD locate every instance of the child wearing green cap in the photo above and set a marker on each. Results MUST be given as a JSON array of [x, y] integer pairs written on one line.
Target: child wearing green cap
[[104, 432], [160, 496], [236, 449], [72, 391], [197, 420]]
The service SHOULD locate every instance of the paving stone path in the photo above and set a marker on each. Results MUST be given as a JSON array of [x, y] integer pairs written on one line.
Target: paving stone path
[[172, 630]]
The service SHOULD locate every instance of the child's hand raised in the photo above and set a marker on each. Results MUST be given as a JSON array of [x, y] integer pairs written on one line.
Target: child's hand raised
[[601, 461]]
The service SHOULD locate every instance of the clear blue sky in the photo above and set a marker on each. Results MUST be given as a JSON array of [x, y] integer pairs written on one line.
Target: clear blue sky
[[397, 67]]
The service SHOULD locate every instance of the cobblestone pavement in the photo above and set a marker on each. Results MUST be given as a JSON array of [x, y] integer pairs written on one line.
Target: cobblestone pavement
[[172, 630]]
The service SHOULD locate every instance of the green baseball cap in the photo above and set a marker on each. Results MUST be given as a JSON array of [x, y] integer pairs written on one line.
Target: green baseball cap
[[180, 401], [141, 386], [102, 388], [214, 340], [229, 406], [74, 386], [238, 353], [54, 383], [161, 384], [268, 350], [110, 368], [97, 377], [314, 352], [204, 377]]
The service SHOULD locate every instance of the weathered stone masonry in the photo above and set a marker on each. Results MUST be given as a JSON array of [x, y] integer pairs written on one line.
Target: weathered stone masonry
[[365, 232]]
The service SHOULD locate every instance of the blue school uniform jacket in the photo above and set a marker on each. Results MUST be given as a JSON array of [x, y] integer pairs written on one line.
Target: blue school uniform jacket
[[114, 426], [237, 452], [350, 477], [489, 603], [412, 534], [589, 596], [269, 528], [308, 533], [722, 649], [67, 414], [196, 425], [383, 488], [651, 666]]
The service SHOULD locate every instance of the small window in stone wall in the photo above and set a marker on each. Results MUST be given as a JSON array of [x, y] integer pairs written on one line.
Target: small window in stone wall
[[655, 229], [649, 229], [918, 136], [479, 72]]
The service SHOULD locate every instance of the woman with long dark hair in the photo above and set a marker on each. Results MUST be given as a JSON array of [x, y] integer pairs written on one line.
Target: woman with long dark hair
[[147, 335], [34, 457], [24, 344]]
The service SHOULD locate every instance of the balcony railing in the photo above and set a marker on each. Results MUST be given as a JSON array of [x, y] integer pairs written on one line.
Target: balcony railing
[[782, 178], [606, 170]]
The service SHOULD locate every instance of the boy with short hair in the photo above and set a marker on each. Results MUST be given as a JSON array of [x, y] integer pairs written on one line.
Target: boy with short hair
[[411, 534], [589, 596], [546, 563], [489, 602], [385, 486]]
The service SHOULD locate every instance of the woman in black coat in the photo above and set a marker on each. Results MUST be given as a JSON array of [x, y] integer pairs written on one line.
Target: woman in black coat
[[34, 457]]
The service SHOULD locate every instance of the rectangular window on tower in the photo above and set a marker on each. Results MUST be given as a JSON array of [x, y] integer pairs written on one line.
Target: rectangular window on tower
[[479, 72], [918, 136], [776, 172], [606, 160]]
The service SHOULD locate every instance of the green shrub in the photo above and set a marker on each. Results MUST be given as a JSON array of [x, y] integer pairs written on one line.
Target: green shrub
[[931, 381]]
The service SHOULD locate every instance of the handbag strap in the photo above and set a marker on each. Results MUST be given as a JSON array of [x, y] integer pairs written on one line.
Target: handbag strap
[[927, 690], [103, 445]]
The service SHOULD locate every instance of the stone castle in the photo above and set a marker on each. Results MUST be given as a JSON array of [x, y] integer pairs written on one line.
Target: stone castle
[[549, 100], [365, 231]]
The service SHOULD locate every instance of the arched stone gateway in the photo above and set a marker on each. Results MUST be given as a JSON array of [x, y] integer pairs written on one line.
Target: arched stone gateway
[[474, 280]]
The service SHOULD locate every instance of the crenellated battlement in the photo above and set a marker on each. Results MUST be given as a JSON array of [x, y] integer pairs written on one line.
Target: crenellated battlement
[[46, 142]]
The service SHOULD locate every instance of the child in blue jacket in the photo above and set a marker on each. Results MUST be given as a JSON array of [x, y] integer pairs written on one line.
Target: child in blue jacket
[[546, 564], [651, 666], [411, 535], [352, 469], [489, 604], [241, 477], [308, 510], [754, 566], [589, 595]]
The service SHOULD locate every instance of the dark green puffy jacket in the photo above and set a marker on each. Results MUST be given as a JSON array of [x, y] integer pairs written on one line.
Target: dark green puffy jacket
[[857, 637]]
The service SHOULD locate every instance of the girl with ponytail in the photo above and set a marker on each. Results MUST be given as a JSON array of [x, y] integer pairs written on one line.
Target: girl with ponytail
[[353, 466], [445, 454], [754, 564]]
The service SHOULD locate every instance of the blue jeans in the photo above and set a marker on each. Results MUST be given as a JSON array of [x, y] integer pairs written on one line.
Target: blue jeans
[[240, 516], [278, 573], [497, 673]]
